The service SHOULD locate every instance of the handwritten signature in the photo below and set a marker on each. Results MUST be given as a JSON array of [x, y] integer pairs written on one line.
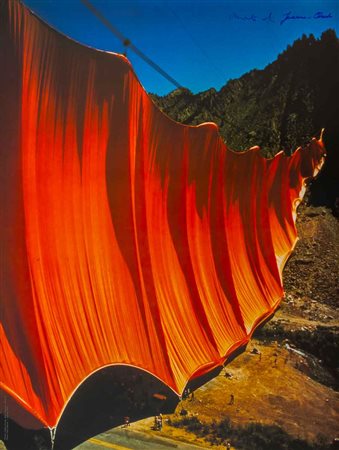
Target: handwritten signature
[[283, 19]]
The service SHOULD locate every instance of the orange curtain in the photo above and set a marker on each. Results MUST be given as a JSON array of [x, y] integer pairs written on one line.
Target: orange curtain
[[126, 238]]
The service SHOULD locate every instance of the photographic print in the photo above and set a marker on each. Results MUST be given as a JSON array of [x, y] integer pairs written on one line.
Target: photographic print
[[169, 224]]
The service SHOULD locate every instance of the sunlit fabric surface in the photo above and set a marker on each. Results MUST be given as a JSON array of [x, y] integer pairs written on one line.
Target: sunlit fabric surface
[[126, 238]]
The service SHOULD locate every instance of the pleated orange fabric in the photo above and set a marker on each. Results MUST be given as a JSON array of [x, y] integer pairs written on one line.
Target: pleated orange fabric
[[126, 238]]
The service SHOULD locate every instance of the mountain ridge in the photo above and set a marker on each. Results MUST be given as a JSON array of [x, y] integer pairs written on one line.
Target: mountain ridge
[[280, 107]]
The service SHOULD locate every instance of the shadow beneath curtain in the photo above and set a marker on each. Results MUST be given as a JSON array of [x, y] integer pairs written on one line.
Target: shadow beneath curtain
[[102, 402]]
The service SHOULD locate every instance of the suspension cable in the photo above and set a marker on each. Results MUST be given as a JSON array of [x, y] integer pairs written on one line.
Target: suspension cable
[[128, 44]]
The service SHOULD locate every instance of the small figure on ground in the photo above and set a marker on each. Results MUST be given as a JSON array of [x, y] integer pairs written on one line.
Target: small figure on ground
[[158, 423], [127, 422], [231, 402], [186, 393]]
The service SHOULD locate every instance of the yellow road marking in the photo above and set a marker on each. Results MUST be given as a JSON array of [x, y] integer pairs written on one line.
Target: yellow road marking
[[107, 444]]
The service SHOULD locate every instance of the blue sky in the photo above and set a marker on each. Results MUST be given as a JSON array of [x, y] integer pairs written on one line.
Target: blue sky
[[200, 43]]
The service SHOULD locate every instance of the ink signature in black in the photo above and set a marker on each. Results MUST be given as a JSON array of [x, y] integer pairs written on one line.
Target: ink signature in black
[[318, 15], [268, 18]]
